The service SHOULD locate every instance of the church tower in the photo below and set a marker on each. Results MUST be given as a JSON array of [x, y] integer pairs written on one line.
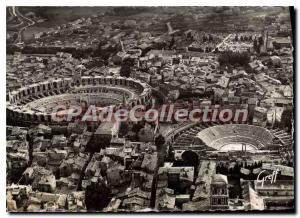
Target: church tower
[[77, 75]]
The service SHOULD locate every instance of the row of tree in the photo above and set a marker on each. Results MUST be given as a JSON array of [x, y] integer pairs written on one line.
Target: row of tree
[[243, 38], [207, 38], [257, 43], [234, 58]]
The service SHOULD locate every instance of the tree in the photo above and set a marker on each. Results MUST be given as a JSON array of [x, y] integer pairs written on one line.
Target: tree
[[287, 119], [45, 61], [236, 37], [128, 61], [136, 127], [255, 45], [171, 154], [123, 129], [159, 141], [172, 42], [92, 193], [234, 58], [260, 40], [125, 71]]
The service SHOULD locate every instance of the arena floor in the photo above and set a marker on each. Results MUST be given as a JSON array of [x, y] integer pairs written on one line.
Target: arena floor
[[237, 147]]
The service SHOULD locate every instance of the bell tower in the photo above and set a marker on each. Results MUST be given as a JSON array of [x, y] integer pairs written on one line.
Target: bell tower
[[77, 75]]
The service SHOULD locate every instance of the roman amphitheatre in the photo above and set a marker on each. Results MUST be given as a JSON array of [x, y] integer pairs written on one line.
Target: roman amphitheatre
[[34, 103], [214, 137]]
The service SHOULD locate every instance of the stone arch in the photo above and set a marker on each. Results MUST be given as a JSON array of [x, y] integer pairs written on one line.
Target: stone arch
[[35, 117]]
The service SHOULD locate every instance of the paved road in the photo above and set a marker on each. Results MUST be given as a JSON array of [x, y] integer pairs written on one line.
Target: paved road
[[23, 19], [11, 17], [13, 14], [223, 42]]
